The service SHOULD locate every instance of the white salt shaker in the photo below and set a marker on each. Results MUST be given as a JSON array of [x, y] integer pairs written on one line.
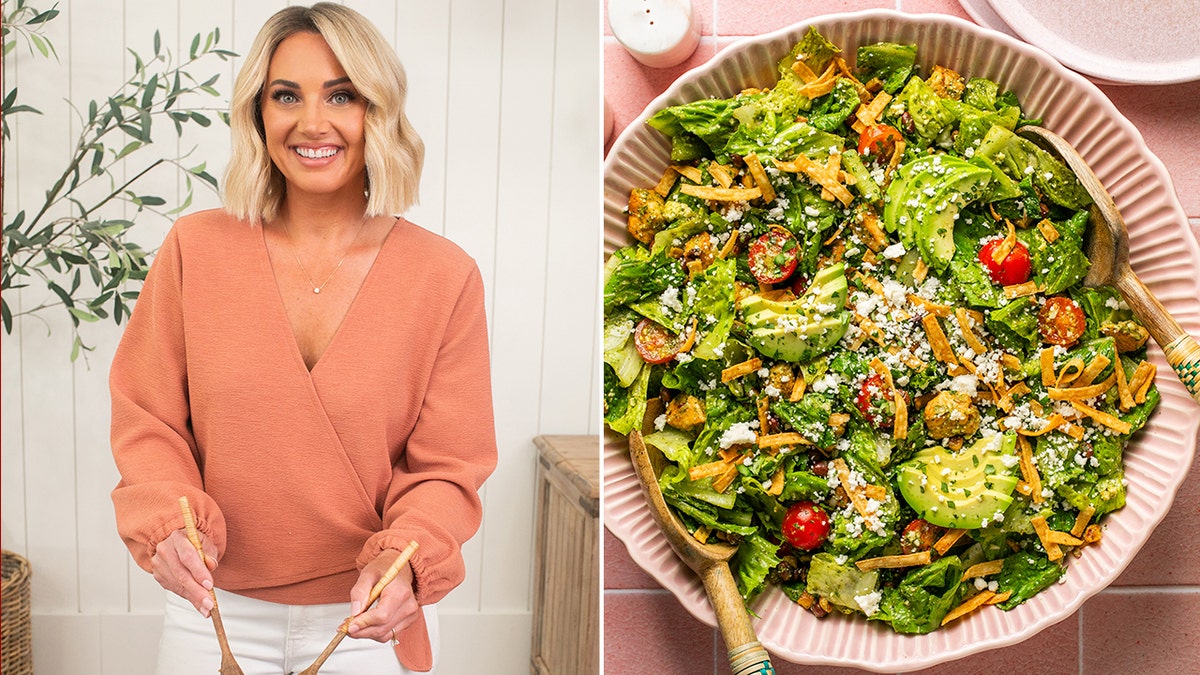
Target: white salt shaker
[[658, 33]]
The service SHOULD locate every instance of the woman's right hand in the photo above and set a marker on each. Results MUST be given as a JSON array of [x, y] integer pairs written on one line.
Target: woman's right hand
[[178, 568]]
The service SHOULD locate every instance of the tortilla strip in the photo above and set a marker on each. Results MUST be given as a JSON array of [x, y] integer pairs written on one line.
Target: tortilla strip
[[778, 440], [1070, 372], [1143, 387], [760, 178], [1092, 534], [900, 421], [1081, 393], [763, 403], [1053, 552], [834, 166], [1062, 538], [819, 174], [777, 482], [738, 370], [930, 306], [942, 351], [920, 271], [1006, 245], [1029, 470], [1116, 424], [948, 540], [1093, 370], [721, 483], [964, 325], [798, 388], [983, 569], [1073, 430], [1046, 358], [975, 602], [802, 71], [1123, 391], [999, 598], [876, 492], [871, 329], [868, 114], [701, 534], [720, 173], [895, 561], [894, 162], [857, 498], [709, 470], [689, 172], [1020, 290], [1055, 421], [667, 181], [1081, 521], [717, 194], [729, 246], [1048, 230], [1024, 488], [822, 85]]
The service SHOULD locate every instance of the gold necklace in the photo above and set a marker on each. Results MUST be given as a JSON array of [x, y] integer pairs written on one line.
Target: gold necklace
[[317, 287]]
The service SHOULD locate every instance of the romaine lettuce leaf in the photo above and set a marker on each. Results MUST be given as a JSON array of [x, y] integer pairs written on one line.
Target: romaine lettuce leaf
[[840, 584], [890, 62], [755, 556], [1025, 575], [923, 598]]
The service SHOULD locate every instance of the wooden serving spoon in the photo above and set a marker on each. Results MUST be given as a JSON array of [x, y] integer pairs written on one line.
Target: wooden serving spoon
[[1108, 249], [229, 665], [710, 561], [344, 629]]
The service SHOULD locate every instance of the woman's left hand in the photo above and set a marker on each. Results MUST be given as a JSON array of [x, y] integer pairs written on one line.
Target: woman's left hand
[[397, 606]]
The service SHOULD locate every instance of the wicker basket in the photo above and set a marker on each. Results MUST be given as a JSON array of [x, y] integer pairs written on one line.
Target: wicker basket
[[17, 645]]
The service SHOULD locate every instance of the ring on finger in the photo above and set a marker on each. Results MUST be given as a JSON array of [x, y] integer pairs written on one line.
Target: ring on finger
[[394, 640]]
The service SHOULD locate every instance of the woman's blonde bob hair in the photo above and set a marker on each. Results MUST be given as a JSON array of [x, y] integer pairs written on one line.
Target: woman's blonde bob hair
[[254, 189]]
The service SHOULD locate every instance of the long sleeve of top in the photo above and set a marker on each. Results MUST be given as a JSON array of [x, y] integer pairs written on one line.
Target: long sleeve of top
[[302, 477]]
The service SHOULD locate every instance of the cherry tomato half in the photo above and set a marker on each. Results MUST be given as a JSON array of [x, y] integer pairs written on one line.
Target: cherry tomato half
[[773, 256], [878, 140], [806, 526], [919, 535], [654, 343], [1014, 269], [1061, 321], [875, 402]]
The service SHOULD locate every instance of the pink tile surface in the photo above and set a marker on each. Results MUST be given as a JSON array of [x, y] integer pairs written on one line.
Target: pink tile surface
[[633, 626], [1172, 555], [1143, 633], [1148, 622], [754, 17], [619, 569]]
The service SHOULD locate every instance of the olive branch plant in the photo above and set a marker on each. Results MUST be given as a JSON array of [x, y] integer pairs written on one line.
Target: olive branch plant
[[79, 247]]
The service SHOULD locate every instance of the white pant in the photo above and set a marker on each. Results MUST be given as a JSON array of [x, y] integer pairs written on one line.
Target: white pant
[[272, 639]]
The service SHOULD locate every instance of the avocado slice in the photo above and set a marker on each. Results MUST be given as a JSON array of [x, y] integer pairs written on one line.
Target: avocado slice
[[961, 489], [802, 328], [924, 201]]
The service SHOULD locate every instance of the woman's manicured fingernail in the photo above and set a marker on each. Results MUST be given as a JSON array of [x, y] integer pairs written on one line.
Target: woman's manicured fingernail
[[207, 584], [353, 628]]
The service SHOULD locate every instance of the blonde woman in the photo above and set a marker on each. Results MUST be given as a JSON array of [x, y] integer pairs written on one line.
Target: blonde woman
[[311, 371]]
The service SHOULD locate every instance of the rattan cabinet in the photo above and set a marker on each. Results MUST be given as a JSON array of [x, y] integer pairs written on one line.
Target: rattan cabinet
[[566, 596]]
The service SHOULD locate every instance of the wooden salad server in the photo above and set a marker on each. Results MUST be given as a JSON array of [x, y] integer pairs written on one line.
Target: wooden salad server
[[229, 665], [710, 561], [1108, 249], [344, 629]]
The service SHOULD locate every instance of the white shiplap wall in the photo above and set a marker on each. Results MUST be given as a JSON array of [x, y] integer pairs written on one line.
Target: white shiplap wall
[[506, 97]]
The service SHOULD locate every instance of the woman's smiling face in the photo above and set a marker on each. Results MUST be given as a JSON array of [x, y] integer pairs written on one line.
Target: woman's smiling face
[[313, 119]]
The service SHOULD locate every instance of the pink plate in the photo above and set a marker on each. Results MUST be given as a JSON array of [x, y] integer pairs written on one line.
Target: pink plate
[[1163, 254]]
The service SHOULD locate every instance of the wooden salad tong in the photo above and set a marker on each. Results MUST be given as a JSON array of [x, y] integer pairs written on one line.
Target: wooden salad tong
[[1108, 250], [229, 665], [371, 598], [711, 561]]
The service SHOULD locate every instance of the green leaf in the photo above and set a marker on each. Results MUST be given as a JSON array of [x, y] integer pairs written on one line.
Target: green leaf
[[75, 346], [195, 46], [133, 145], [186, 203], [9, 46], [150, 90], [20, 217], [9, 98], [200, 119], [149, 200], [138, 65], [43, 17], [92, 109], [7, 313], [157, 43], [40, 44], [61, 293]]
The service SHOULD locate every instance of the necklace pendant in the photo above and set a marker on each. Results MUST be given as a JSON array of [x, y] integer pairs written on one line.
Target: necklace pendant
[[316, 289]]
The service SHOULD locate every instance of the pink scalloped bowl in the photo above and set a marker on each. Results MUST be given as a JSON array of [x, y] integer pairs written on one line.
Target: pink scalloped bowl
[[1162, 251]]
